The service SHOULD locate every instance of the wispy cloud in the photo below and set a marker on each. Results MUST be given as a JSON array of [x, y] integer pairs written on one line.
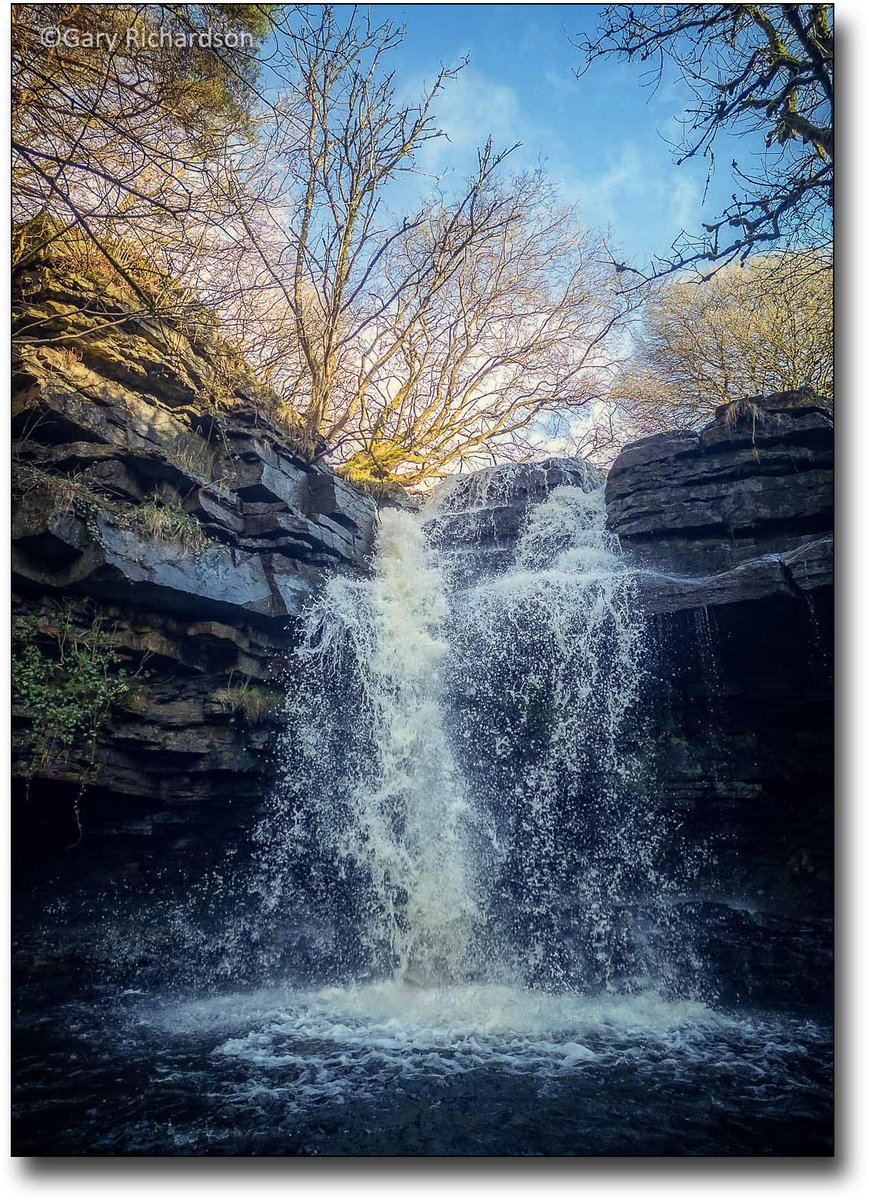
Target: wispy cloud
[[468, 111], [621, 190], [561, 83], [628, 187]]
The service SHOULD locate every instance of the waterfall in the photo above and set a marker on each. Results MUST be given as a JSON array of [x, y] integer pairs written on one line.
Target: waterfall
[[464, 928], [461, 800], [388, 803], [549, 663], [467, 925]]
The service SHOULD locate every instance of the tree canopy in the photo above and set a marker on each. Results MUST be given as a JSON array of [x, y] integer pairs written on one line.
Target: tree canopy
[[762, 328], [116, 131], [406, 341], [255, 177]]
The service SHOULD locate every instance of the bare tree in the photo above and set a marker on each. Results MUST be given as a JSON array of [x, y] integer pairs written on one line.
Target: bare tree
[[402, 345], [762, 69], [519, 328], [318, 235], [763, 328], [405, 346]]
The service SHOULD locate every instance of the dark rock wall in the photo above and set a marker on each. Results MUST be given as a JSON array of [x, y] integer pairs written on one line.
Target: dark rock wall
[[109, 429], [741, 510], [732, 531]]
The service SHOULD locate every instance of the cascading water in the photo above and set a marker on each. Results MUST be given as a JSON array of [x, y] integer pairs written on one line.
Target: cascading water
[[461, 782], [387, 802], [452, 924], [547, 676]]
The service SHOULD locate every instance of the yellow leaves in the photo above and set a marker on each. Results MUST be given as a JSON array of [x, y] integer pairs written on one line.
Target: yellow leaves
[[762, 328]]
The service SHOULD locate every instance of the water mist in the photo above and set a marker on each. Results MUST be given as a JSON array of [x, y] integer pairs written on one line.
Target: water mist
[[460, 782]]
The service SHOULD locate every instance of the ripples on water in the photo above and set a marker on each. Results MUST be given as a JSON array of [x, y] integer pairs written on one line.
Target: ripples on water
[[386, 1069]]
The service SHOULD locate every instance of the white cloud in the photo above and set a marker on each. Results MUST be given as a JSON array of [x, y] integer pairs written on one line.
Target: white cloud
[[685, 196], [468, 111], [631, 186], [562, 83], [633, 178]]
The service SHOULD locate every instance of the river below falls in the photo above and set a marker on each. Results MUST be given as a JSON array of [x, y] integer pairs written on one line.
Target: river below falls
[[384, 1069]]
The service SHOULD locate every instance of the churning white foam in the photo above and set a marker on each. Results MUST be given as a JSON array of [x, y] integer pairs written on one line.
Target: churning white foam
[[358, 1050], [330, 1034], [456, 753]]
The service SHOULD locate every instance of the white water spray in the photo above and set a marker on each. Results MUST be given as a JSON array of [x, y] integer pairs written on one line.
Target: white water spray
[[461, 752], [401, 820], [549, 657]]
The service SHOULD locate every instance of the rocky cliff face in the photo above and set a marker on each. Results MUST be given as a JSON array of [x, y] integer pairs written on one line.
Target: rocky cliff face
[[164, 525], [740, 510], [731, 528]]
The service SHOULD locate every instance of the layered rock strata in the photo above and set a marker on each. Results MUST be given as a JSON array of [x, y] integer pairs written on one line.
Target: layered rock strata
[[740, 510], [731, 529], [159, 499]]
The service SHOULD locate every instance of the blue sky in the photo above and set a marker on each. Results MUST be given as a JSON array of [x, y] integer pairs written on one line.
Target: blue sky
[[601, 137]]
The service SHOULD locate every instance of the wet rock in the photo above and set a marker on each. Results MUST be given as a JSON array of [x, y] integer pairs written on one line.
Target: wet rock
[[482, 515]]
